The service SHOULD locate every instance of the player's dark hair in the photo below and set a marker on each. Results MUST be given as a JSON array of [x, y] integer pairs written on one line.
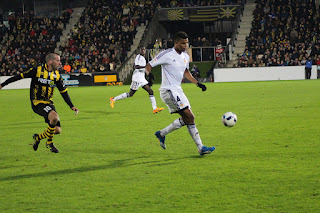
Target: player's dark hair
[[180, 35], [50, 56]]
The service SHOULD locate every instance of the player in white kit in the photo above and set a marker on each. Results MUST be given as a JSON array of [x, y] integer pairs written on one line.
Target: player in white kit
[[138, 80], [174, 65]]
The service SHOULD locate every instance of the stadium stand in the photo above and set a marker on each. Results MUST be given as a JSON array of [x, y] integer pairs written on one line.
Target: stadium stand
[[100, 41], [30, 38], [283, 33], [104, 34]]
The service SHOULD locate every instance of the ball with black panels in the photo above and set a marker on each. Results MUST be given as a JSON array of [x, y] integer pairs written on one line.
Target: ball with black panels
[[229, 119]]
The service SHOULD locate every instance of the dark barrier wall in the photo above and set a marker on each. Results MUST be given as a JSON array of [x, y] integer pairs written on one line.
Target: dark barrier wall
[[89, 79], [83, 79]]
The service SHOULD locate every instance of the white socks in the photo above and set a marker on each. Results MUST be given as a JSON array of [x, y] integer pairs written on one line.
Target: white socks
[[153, 102], [193, 131], [122, 96], [126, 95], [177, 124]]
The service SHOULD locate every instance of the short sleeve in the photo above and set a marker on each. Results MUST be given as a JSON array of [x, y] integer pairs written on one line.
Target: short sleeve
[[159, 59], [188, 61]]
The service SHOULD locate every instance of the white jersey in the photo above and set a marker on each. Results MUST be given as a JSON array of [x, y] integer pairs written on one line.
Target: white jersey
[[138, 74], [173, 66]]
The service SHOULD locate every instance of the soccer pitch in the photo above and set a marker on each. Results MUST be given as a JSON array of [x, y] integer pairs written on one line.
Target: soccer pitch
[[110, 160]]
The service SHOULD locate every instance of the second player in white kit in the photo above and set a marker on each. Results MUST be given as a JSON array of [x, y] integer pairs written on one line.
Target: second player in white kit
[[138, 80], [174, 66]]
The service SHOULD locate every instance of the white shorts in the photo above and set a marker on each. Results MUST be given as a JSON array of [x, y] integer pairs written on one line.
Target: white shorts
[[176, 100], [136, 84]]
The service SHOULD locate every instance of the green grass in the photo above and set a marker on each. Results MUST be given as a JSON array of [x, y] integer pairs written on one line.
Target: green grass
[[110, 160]]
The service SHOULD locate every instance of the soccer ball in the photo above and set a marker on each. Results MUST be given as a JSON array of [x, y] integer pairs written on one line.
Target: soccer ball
[[229, 119]]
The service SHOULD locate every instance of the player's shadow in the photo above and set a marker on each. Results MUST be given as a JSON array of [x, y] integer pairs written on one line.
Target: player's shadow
[[196, 156], [100, 112], [15, 124], [112, 165]]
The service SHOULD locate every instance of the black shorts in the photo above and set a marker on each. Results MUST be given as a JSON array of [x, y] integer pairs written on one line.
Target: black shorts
[[44, 110]]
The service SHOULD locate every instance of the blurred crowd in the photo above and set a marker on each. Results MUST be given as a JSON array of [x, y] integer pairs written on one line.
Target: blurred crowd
[[284, 33], [103, 36], [30, 38], [99, 42]]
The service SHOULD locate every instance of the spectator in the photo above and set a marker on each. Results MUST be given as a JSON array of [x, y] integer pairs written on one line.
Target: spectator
[[107, 66], [318, 67], [83, 69], [308, 68], [170, 43], [250, 61], [195, 71], [76, 70], [101, 68], [221, 64], [67, 68]]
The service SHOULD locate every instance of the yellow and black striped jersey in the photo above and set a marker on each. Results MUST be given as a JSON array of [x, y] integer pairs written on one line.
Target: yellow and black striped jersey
[[43, 83]]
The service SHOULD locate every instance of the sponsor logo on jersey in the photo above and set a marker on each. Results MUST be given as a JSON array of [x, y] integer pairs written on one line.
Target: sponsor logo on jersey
[[46, 81]]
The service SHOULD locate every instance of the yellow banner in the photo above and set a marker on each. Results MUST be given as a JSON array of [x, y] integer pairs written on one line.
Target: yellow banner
[[105, 78]]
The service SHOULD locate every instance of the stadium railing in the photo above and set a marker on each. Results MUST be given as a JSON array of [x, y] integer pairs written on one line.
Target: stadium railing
[[197, 54]]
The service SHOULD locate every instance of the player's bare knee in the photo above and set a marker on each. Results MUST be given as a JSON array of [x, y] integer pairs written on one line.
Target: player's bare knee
[[190, 118], [54, 119], [193, 117]]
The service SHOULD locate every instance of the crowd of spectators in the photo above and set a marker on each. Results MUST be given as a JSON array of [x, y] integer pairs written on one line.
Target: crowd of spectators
[[103, 36], [30, 38], [3, 31], [98, 42], [284, 33]]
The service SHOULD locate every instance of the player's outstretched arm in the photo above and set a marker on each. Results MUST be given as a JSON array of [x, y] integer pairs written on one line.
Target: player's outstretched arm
[[10, 80], [150, 75], [148, 68], [27, 74], [64, 93], [75, 109], [188, 75], [67, 99]]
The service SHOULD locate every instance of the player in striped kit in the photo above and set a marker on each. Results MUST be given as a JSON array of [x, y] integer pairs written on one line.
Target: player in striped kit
[[44, 79]]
